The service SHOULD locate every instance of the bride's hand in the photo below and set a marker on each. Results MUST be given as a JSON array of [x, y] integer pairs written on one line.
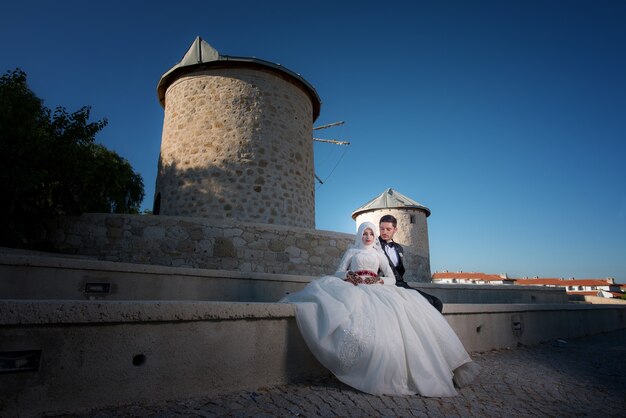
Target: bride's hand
[[373, 280], [352, 277]]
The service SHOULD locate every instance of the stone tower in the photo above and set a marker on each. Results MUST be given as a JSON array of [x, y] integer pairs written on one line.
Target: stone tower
[[237, 140], [412, 229]]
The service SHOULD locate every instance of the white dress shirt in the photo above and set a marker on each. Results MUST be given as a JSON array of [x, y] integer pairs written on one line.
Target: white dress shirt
[[393, 254]]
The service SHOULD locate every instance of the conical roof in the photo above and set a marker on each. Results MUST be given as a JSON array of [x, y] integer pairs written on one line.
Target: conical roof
[[202, 55], [390, 199]]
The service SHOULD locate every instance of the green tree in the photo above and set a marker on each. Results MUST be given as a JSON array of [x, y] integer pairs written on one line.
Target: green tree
[[51, 165]]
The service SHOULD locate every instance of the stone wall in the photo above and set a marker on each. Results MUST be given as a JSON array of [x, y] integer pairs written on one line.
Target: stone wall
[[237, 145], [198, 242]]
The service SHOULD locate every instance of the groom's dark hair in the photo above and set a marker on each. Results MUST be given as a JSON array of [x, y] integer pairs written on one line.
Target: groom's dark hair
[[389, 218]]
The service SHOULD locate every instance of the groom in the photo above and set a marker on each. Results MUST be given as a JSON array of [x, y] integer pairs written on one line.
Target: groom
[[395, 253]]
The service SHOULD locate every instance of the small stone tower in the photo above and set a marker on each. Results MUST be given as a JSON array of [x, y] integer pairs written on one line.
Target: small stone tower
[[412, 231], [237, 140]]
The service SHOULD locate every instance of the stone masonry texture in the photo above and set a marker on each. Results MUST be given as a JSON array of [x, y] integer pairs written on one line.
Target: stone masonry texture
[[201, 243], [237, 145]]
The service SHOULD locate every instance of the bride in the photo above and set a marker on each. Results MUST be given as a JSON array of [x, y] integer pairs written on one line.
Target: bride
[[378, 338]]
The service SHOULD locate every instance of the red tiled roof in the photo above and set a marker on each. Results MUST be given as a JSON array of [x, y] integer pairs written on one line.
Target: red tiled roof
[[470, 276], [526, 282], [562, 282], [617, 295], [547, 280]]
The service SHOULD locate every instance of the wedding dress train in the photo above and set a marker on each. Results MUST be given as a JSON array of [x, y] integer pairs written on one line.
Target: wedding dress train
[[378, 338]]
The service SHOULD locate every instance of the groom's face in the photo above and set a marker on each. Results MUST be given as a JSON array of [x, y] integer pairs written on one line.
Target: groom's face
[[387, 230]]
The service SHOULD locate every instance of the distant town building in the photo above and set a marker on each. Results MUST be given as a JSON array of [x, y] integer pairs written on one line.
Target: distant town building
[[592, 287], [606, 288], [471, 278]]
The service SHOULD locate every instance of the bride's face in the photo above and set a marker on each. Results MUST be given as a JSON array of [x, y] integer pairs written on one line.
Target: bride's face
[[368, 237]]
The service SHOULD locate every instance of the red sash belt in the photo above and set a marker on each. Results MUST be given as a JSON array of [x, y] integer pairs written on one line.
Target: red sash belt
[[366, 273]]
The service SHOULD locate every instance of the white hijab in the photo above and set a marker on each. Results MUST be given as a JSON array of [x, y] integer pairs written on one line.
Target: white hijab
[[358, 239]]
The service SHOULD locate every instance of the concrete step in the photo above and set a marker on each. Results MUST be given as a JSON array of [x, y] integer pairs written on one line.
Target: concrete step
[[68, 355], [50, 276]]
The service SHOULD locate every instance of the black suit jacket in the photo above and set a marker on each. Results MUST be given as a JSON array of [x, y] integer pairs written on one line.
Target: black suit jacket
[[398, 270]]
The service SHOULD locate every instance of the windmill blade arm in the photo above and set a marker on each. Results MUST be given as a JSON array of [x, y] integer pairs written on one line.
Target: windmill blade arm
[[328, 125], [332, 141]]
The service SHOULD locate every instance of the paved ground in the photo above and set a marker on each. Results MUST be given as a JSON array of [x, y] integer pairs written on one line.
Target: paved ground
[[576, 378]]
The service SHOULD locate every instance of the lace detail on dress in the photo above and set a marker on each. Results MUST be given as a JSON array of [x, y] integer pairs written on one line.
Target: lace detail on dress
[[356, 341], [364, 260]]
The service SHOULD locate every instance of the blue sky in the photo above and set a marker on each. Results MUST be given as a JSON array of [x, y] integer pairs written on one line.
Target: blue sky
[[506, 118]]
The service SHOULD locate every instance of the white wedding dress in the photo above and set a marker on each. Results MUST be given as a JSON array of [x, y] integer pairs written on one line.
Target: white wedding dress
[[378, 338]]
